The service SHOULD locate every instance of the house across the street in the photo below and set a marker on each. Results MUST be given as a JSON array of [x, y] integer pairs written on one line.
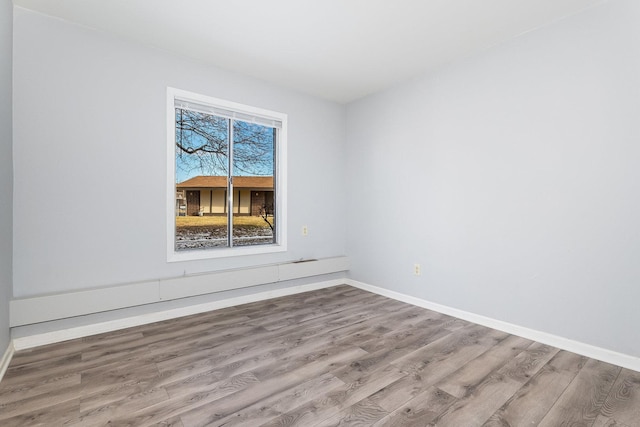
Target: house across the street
[[207, 195]]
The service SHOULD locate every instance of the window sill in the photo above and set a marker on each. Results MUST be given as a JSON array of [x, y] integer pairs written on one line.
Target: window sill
[[199, 254]]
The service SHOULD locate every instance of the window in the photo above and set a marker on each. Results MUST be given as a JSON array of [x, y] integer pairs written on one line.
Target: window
[[227, 180]]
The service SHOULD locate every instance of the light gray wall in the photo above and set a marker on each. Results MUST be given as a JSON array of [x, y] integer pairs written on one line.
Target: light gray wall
[[6, 169], [90, 159], [513, 177]]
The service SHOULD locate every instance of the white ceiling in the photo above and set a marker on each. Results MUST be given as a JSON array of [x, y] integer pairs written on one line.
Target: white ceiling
[[339, 50]]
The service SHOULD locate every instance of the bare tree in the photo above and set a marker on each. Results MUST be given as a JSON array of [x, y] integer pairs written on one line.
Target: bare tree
[[202, 145], [264, 213]]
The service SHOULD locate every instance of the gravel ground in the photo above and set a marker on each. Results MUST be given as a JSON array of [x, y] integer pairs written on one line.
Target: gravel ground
[[215, 237]]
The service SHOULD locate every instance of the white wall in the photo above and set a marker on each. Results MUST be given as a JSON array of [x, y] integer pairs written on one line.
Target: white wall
[[90, 147], [6, 169], [513, 177]]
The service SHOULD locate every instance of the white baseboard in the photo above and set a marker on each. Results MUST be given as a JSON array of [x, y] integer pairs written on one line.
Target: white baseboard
[[588, 350], [31, 341], [602, 354], [6, 359]]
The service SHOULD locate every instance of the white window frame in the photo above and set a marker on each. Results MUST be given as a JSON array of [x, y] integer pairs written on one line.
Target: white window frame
[[280, 178]]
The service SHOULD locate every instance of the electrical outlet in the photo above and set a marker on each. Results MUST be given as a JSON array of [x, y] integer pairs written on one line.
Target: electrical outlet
[[305, 230], [417, 270]]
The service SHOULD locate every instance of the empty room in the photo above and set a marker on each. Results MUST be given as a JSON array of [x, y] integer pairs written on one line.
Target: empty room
[[320, 213]]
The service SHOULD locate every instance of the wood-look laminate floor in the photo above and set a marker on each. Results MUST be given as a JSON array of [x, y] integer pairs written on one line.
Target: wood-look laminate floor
[[334, 357]]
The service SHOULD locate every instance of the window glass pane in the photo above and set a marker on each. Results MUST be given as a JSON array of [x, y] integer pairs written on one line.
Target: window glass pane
[[254, 219], [202, 168]]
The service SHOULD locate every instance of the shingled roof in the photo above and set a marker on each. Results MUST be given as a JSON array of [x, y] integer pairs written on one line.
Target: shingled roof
[[253, 182]]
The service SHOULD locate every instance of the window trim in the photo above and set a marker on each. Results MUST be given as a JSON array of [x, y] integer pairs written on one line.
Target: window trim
[[280, 178]]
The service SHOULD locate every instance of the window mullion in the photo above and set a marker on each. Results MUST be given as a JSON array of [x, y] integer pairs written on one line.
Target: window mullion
[[230, 185]]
